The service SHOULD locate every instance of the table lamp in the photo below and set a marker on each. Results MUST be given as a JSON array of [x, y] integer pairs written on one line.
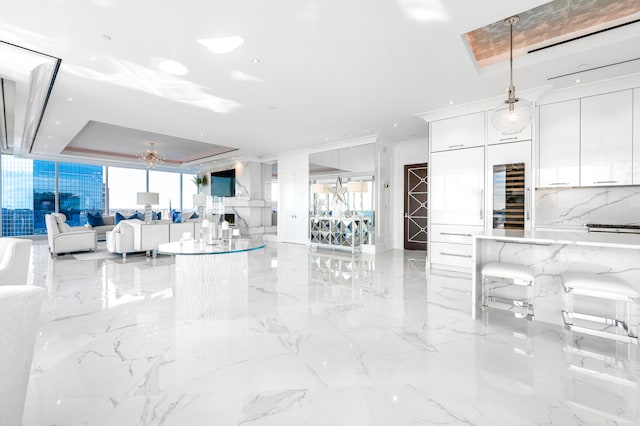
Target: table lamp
[[147, 199]]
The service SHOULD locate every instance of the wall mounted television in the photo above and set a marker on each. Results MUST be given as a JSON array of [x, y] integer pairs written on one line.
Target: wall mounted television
[[223, 184]]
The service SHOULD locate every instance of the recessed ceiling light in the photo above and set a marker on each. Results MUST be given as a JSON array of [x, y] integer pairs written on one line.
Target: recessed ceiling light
[[577, 80], [255, 60], [70, 99], [172, 67], [450, 102], [106, 37], [57, 122], [395, 124], [220, 45], [326, 139]]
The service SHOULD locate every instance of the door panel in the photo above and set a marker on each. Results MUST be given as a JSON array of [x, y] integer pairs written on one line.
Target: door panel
[[416, 206]]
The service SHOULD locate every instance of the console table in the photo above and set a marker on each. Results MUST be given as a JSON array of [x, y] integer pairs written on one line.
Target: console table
[[210, 280], [339, 232]]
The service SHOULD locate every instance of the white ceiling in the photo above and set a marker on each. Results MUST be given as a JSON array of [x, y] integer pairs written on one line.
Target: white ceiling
[[328, 70]]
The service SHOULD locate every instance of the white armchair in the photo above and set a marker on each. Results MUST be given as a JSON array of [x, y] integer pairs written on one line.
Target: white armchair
[[15, 258], [66, 239], [120, 239], [19, 312]]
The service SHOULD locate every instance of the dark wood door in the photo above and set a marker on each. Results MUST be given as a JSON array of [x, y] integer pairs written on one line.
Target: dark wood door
[[416, 206]]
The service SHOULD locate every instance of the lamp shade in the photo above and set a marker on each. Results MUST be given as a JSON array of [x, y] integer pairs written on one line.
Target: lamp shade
[[148, 198], [512, 116], [199, 199], [319, 188], [357, 186]]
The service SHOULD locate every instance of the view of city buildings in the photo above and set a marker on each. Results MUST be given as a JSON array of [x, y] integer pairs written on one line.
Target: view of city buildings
[[28, 192]]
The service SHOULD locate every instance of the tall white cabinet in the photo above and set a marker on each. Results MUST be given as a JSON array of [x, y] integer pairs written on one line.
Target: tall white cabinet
[[456, 189], [559, 142], [606, 139]]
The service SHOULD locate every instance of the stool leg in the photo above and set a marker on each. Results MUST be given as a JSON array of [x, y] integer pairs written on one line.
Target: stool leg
[[567, 313]]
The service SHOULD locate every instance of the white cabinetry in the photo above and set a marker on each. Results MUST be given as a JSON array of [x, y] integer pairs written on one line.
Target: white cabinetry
[[458, 132], [559, 138], [293, 217], [606, 139], [495, 137], [636, 136], [457, 187]]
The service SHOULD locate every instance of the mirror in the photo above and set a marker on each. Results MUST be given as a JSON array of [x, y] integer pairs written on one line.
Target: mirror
[[508, 196]]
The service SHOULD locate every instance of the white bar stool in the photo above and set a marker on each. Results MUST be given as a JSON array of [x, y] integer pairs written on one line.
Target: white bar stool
[[510, 274], [607, 287]]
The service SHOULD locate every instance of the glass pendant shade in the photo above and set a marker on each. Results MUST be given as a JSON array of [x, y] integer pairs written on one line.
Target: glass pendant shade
[[512, 116]]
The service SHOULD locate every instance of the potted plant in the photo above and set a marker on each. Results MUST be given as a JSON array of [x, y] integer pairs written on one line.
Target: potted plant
[[200, 180]]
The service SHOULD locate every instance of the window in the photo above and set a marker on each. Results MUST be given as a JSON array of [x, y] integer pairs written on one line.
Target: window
[[123, 186], [188, 190], [16, 181], [167, 184]]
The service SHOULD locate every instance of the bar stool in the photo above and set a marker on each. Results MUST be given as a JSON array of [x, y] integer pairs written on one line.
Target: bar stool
[[510, 274], [597, 286]]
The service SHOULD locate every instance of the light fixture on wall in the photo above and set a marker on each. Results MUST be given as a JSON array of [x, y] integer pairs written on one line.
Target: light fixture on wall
[[147, 199], [514, 114], [150, 157], [358, 188]]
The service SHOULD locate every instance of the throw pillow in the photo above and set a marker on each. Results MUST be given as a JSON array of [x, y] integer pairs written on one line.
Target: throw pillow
[[158, 216], [194, 215], [119, 217], [95, 219], [176, 217], [138, 215]]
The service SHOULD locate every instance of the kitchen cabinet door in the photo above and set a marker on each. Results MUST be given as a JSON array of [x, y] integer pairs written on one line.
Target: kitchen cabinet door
[[606, 139], [495, 137], [458, 132], [457, 187], [559, 147], [636, 136]]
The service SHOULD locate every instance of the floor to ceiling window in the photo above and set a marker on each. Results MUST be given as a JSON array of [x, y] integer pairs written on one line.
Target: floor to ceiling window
[[16, 180], [80, 191]]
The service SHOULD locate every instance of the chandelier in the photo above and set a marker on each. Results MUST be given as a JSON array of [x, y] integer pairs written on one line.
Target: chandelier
[[150, 157], [514, 114]]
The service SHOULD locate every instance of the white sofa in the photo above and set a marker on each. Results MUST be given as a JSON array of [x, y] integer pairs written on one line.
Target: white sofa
[[66, 239], [15, 258], [134, 235], [19, 313], [101, 231]]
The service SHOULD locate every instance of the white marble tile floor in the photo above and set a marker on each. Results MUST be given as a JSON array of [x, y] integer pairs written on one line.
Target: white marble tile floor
[[321, 338]]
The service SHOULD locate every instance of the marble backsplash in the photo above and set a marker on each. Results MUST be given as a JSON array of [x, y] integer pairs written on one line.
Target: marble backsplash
[[573, 207]]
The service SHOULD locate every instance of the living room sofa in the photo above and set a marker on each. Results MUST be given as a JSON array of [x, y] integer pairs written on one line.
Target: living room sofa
[[133, 235]]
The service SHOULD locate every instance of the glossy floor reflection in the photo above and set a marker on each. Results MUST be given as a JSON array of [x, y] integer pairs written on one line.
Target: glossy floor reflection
[[317, 338]]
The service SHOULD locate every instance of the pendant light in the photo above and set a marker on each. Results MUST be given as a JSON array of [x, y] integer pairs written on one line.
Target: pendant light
[[514, 114]]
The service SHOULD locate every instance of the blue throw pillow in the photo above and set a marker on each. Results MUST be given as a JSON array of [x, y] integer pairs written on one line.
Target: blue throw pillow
[[194, 215], [95, 219], [158, 216], [119, 217], [176, 217], [139, 215]]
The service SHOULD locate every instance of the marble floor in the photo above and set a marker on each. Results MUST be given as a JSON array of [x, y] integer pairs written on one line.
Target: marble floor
[[316, 338]]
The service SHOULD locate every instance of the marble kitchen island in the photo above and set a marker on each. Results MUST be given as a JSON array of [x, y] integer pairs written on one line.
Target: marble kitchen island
[[551, 253]]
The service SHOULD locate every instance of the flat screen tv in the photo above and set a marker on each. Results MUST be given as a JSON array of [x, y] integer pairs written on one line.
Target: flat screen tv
[[223, 184]]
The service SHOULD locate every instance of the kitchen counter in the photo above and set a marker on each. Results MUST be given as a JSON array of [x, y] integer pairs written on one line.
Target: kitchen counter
[[551, 253], [564, 236]]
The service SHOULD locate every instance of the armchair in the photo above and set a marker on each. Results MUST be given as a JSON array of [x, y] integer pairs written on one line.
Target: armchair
[[15, 258], [120, 239], [19, 312], [66, 239]]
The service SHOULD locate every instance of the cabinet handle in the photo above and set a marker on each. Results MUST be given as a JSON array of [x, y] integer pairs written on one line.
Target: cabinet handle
[[455, 255], [513, 138], [558, 183], [528, 203], [456, 146], [481, 203], [606, 181], [456, 234]]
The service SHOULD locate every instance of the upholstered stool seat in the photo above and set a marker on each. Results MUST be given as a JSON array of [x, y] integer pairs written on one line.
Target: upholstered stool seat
[[607, 287], [511, 274], [511, 271]]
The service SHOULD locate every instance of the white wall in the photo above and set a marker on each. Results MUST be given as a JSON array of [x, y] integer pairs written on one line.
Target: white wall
[[413, 151]]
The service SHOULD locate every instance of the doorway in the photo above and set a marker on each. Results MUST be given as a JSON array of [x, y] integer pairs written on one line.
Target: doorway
[[416, 206]]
